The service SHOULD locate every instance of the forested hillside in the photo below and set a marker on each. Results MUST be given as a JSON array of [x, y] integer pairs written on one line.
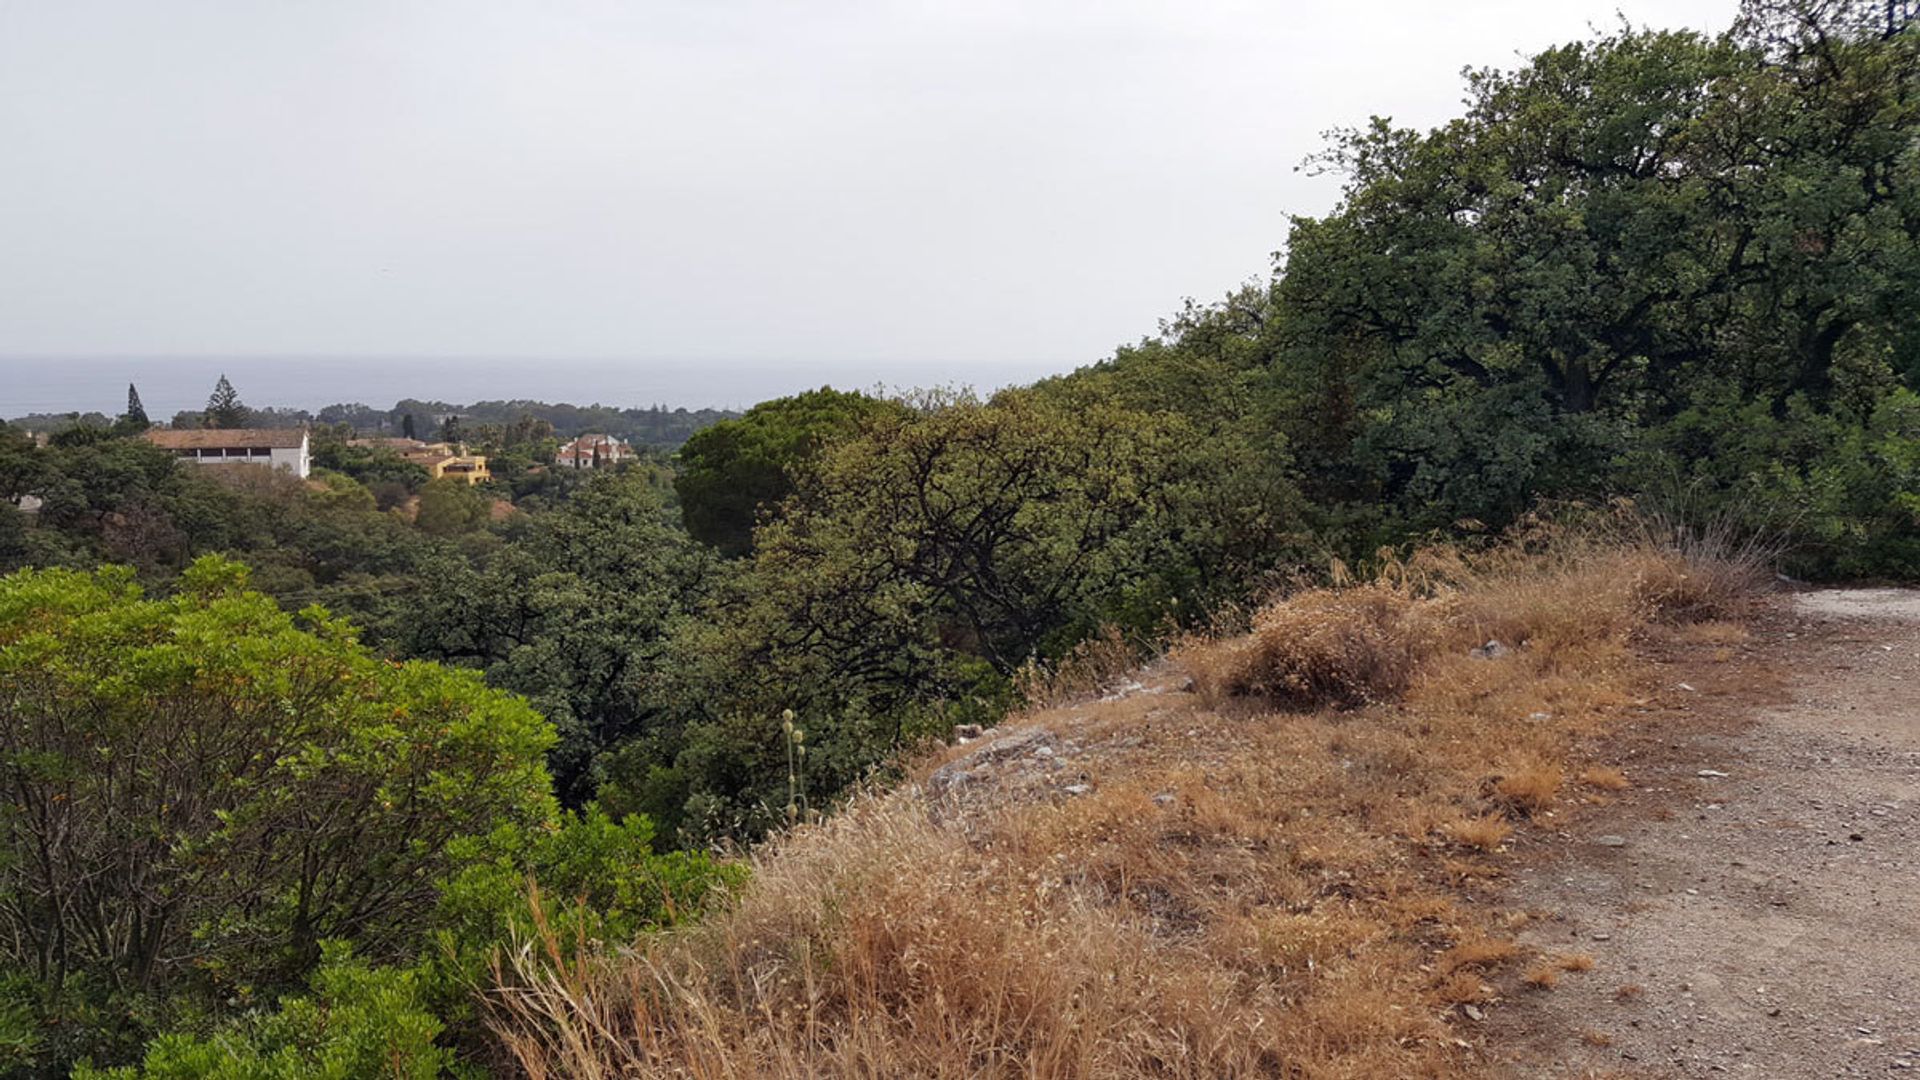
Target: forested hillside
[[1654, 265]]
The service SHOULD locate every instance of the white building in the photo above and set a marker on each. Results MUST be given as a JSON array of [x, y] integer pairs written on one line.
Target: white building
[[275, 448], [593, 452]]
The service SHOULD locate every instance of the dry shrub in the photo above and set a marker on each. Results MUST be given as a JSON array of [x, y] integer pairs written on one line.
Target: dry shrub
[[1486, 833], [1576, 962], [1558, 586], [1530, 787], [1718, 568], [1605, 777], [1541, 977], [1478, 952], [1341, 647], [879, 944]]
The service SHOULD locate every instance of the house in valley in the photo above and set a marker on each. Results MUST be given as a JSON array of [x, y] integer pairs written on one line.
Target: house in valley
[[442, 461], [438, 458], [593, 452], [273, 448]]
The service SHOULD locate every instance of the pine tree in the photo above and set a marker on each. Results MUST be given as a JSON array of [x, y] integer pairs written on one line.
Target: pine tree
[[136, 412], [224, 409], [406, 426]]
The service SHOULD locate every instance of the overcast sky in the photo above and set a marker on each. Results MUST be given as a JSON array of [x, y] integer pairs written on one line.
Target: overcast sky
[[922, 188]]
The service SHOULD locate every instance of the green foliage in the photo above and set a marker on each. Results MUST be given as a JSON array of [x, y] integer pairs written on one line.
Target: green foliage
[[224, 409], [1843, 490], [655, 426], [211, 788], [596, 880], [574, 612], [355, 1021], [1624, 244], [918, 566], [450, 507], [136, 414], [732, 471], [122, 500], [368, 464]]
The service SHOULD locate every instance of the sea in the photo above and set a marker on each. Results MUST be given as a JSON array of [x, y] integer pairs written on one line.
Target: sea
[[43, 384]]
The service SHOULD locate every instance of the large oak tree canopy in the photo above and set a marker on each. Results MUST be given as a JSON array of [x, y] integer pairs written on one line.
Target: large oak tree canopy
[[1622, 219]]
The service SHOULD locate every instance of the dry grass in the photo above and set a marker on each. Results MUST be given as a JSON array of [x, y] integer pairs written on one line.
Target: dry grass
[[1541, 976], [1485, 833], [1605, 777], [1576, 962], [1340, 647], [1091, 668], [1530, 786], [1241, 893]]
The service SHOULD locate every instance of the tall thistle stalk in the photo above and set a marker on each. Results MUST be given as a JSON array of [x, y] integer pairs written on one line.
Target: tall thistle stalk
[[796, 768]]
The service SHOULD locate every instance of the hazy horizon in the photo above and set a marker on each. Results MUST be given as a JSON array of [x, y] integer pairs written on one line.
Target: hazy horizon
[[171, 384], [689, 202]]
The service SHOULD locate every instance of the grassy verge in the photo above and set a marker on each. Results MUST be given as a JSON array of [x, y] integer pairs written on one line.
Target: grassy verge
[[1280, 868]]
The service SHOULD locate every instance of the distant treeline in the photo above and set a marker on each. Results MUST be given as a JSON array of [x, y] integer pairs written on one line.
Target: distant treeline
[[655, 425]]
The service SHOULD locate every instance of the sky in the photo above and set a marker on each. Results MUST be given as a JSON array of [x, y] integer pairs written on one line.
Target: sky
[[684, 201]]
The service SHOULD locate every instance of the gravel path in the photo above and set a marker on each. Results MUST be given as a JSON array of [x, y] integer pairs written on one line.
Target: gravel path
[[1754, 905]]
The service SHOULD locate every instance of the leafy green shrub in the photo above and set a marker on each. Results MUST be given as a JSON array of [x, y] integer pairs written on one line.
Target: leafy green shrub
[[595, 878], [209, 788], [355, 1021]]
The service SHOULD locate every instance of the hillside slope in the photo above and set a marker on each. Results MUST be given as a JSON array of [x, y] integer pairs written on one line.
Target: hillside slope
[[1279, 854]]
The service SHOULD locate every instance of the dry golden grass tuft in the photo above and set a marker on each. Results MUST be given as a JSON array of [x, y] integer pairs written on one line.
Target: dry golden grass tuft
[[1541, 976], [1477, 951], [1240, 893], [1530, 786], [1486, 832], [1605, 777], [1576, 962]]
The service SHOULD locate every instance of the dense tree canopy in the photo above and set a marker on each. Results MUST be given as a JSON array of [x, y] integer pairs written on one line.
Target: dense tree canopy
[[573, 612], [733, 470], [1623, 233]]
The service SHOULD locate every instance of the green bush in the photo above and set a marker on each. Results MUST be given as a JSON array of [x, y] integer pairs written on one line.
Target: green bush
[[210, 787], [596, 880], [355, 1021]]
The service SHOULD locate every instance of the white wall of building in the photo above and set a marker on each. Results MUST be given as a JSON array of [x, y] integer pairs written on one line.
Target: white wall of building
[[294, 459]]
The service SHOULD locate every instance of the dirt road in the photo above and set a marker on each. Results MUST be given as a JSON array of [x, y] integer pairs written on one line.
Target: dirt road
[[1753, 905]]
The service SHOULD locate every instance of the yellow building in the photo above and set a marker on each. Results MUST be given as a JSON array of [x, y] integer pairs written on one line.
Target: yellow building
[[442, 461]]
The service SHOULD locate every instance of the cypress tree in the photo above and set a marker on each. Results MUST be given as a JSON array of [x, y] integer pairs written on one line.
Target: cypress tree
[[406, 426], [136, 412]]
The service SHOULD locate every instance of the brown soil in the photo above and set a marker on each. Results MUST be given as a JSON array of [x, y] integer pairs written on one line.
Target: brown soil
[[1764, 922]]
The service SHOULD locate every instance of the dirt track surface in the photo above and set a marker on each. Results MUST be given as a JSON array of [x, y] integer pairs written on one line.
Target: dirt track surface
[[1764, 922]]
